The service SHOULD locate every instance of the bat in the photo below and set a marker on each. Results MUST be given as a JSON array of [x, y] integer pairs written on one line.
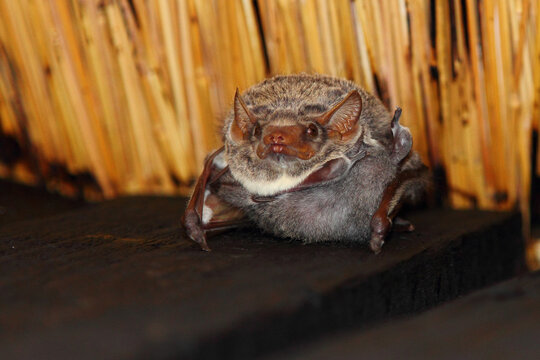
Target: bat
[[308, 157]]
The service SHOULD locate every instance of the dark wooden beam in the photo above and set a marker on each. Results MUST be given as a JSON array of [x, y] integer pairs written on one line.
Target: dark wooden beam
[[119, 280], [500, 322]]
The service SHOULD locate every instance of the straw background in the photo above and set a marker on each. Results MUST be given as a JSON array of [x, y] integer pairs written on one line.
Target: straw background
[[112, 97]]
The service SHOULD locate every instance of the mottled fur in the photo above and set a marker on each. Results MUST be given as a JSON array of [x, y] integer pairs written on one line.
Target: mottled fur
[[299, 99], [338, 210]]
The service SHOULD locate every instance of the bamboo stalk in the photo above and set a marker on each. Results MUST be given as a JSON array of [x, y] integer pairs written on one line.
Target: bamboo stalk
[[366, 79], [177, 83], [294, 43], [10, 113], [336, 46], [425, 90], [99, 60], [76, 82], [29, 69], [314, 48], [479, 93]]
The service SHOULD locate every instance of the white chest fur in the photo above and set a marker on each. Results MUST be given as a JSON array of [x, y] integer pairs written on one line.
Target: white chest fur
[[266, 188]]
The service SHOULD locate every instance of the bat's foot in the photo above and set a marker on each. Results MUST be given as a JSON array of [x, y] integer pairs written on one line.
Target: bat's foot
[[402, 225], [376, 243], [192, 224], [380, 226]]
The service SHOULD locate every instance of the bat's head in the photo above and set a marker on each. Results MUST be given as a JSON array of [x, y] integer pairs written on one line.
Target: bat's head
[[276, 151]]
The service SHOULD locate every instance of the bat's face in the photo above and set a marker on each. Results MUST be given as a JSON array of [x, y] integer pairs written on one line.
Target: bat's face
[[285, 140], [278, 151]]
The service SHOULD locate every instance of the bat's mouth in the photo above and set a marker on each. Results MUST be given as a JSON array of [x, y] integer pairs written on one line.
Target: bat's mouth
[[263, 151], [277, 148]]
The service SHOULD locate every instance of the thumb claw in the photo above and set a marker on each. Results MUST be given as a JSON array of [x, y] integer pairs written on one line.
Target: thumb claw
[[204, 246], [194, 230]]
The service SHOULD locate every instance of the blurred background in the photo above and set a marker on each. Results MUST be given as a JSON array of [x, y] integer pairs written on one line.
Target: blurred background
[[102, 98]]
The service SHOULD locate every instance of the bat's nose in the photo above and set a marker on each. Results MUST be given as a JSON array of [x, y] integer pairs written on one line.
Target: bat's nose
[[277, 136]]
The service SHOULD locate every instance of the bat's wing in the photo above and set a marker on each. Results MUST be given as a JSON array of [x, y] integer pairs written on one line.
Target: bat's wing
[[206, 212], [411, 172]]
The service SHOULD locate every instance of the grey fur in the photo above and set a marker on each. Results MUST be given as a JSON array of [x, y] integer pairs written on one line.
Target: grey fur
[[341, 209]]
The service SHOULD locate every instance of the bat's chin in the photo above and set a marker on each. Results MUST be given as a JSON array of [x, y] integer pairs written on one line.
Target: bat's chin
[[282, 160]]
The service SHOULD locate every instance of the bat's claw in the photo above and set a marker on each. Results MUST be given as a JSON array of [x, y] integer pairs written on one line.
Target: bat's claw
[[204, 246], [375, 244], [194, 230], [380, 225], [200, 238]]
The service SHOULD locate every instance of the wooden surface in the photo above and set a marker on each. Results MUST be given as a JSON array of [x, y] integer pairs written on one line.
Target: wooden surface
[[501, 322], [119, 280], [20, 202]]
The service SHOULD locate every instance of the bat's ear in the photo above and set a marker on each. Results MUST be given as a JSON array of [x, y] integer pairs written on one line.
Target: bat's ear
[[243, 119], [341, 121]]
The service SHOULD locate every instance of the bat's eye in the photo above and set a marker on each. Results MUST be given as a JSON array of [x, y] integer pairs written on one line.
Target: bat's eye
[[312, 130], [257, 130]]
